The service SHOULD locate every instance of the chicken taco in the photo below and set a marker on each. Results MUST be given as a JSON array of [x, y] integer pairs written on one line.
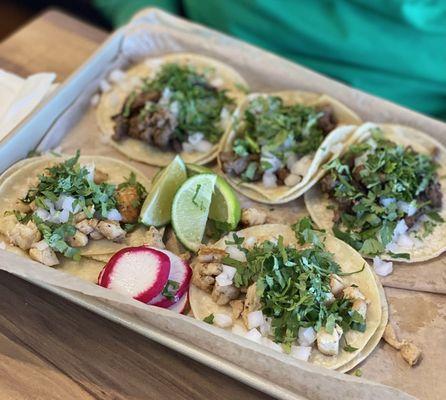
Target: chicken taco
[[294, 289], [176, 104], [384, 196], [278, 142], [57, 211]]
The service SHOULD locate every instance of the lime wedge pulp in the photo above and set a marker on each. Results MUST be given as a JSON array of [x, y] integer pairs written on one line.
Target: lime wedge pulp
[[158, 204], [190, 209], [225, 206]]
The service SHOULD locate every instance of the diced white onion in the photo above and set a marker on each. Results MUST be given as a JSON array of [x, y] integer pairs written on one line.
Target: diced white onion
[[400, 228], [90, 168], [104, 86], [408, 208], [301, 352], [272, 160], [94, 101], [188, 148], [386, 202], [222, 320], [292, 180], [253, 335], [175, 108], [361, 159], [255, 319], [272, 345], [42, 213], [382, 268], [250, 242], [265, 328], [392, 246], [405, 241], [235, 253], [223, 280], [225, 117], [114, 215], [229, 271], [165, 97], [116, 76], [195, 138], [203, 146], [269, 180], [306, 336], [2, 245]]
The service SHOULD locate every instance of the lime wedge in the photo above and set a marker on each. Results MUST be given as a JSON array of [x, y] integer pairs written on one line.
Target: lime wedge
[[190, 209], [158, 204], [225, 206]]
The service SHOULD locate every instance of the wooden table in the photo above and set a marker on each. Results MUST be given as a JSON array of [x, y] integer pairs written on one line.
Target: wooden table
[[52, 349]]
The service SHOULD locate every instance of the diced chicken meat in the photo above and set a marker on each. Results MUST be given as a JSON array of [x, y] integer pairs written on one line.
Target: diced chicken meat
[[360, 306], [96, 235], [336, 284], [80, 216], [87, 226], [237, 308], [253, 216], [79, 239], [43, 253], [99, 176], [128, 203], [328, 343], [353, 293], [409, 351], [24, 235], [111, 230], [222, 295], [154, 238], [208, 254], [204, 274]]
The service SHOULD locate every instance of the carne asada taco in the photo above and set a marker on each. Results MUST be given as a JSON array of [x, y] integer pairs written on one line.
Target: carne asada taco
[[293, 289], [384, 196], [176, 104], [278, 142], [54, 210]]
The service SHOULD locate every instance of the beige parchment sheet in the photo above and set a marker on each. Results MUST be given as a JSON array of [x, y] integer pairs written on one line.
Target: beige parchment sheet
[[416, 293]]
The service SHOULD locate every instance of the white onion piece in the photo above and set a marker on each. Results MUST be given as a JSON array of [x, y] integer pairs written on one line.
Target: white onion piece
[[405, 241], [272, 345], [255, 319], [94, 101], [250, 242], [300, 167], [400, 228], [408, 208], [2, 245], [104, 86], [203, 146], [239, 330], [195, 138], [114, 215], [386, 202], [265, 328], [382, 268], [235, 253], [229, 271], [301, 352], [223, 280], [116, 76], [253, 335], [306, 336], [291, 160], [188, 148], [269, 180], [222, 320]]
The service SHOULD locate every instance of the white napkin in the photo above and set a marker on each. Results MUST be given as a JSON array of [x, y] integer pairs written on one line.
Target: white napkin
[[19, 97]]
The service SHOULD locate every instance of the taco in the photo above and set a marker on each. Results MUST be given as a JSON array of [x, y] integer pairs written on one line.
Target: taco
[[293, 289], [59, 211], [175, 104], [384, 196], [278, 142]]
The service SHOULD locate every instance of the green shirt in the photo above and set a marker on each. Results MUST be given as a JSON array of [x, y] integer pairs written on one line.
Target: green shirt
[[391, 48]]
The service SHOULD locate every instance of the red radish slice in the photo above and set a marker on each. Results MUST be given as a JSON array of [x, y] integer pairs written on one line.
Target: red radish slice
[[181, 305], [181, 273], [138, 272]]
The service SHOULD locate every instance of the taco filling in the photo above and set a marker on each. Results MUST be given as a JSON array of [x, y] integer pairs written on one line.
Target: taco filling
[[275, 142], [290, 297], [384, 196], [70, 205], [178, 110]]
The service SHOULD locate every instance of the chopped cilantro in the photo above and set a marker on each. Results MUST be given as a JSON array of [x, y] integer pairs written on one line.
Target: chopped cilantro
[[209, 319], [170, 289]]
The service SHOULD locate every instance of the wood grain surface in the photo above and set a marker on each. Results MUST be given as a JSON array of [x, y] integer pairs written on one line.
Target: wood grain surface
[[52, 349]]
